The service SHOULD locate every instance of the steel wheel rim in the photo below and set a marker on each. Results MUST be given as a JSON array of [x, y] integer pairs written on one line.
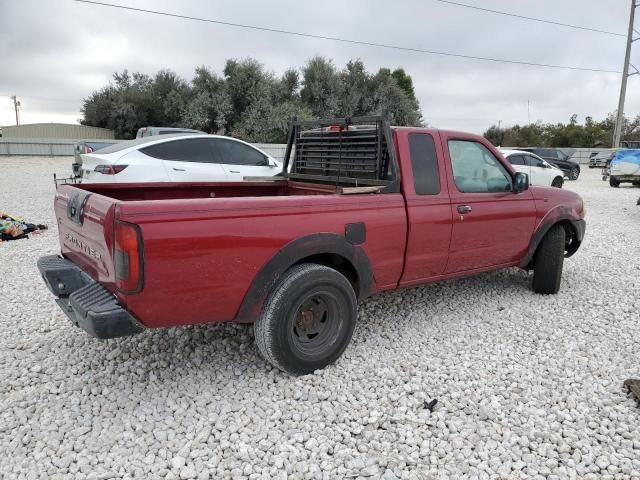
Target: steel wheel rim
[[315, 324]]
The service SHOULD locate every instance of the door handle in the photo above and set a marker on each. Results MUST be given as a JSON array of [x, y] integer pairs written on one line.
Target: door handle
[[233, 171], [179, 169], [462, 209]]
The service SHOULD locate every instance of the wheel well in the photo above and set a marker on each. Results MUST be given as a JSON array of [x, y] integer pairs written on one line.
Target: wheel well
[[339, 263]]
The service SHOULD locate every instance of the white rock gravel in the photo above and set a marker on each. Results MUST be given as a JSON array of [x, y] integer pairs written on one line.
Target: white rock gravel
[[528, 386]]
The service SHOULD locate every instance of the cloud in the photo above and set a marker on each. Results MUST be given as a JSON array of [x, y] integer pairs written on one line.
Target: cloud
[[55, 53]]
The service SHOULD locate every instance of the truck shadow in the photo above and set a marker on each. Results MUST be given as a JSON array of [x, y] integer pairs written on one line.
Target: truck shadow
[[227, 351]]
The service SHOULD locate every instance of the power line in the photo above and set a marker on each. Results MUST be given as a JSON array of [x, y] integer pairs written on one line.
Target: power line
[[345, 40], [524, 17]]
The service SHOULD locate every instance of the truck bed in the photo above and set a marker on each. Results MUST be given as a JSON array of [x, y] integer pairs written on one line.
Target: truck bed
[[174, 191], [210, 241]]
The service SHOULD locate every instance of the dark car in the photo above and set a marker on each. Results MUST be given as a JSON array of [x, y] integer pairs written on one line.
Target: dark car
[[557, 157]]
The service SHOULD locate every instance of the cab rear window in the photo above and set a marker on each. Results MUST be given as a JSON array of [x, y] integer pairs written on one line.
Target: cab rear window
[[424, 163]]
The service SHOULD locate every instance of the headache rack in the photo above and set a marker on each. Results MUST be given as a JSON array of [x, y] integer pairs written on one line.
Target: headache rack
[[346, 152]]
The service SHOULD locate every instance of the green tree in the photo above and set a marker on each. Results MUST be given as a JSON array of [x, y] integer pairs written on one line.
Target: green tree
[[391, 101], [246, 82], [494, 135], [321, 87], [405, 82], [248, 101]]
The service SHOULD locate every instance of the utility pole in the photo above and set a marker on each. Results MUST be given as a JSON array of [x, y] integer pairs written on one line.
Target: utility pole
[[16, 105], [617, 135], [528, 113]]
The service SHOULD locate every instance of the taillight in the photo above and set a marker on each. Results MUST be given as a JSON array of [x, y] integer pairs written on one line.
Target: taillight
[[109, 169], [128, 257]]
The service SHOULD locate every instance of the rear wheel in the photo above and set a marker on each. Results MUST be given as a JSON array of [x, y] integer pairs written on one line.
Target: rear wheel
[[635, 184], [308, 319], [574, 173], [614, 182], [557, 182], [548, 261]]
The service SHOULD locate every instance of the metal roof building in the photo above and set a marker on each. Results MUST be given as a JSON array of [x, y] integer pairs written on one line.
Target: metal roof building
[[57, 130]]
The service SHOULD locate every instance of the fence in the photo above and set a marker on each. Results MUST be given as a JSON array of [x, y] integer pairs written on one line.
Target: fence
[[52, 147]]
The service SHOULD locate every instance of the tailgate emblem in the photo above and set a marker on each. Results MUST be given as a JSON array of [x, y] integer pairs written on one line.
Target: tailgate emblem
[[75, 207], [82, 246]]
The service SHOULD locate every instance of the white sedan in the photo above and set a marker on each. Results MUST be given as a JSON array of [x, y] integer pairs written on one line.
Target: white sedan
[[178, 158], [540, 172]]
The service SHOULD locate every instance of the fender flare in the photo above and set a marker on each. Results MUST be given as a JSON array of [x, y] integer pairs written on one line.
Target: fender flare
[[294, 252], [555, 215]]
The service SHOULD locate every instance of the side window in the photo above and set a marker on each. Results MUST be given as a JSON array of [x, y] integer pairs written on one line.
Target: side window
[[236, 153], [424, 164], [475, 169], [535, 161], [516, 159], [191, 150]]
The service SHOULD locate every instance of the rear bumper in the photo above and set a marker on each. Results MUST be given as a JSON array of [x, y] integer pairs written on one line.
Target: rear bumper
[[88, 304], [625, 178]]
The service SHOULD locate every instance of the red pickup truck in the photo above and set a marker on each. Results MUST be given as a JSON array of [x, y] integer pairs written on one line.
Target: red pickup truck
[[361, 208]]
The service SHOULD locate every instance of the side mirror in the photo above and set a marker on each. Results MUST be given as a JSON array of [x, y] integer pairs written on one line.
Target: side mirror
[[266, 162], [520, 182]]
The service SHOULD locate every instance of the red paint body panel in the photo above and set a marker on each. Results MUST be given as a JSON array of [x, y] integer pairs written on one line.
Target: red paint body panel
[[205, 244]]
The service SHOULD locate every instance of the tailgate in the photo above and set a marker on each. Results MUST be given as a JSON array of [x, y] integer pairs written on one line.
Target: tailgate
[[85, 226]]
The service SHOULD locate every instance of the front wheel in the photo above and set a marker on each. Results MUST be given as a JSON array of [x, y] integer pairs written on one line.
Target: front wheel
[[613, 182], [308, 319], [548, 261], [557, 182], [574, 173]]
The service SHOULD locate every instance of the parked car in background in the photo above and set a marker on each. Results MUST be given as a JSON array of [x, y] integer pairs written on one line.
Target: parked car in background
[[151, 131], [625, 167], [600, 159], [557, 158], [83, 147], [540, 172], [178, 158]]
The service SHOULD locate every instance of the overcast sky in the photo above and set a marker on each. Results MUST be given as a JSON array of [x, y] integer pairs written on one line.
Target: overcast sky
[[54, 53]]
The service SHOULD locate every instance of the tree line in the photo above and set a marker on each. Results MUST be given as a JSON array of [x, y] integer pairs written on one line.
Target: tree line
[[249, 102], [590, 134]]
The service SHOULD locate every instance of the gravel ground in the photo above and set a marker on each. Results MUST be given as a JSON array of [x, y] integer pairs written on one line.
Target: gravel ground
[[527, 386]]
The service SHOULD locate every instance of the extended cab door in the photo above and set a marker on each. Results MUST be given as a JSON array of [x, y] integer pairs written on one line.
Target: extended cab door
[[428, 205], [492, 225]]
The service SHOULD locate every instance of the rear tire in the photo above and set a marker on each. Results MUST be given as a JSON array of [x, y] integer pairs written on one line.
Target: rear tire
[[613, 182], [548, 261], [308, 319], [574, 173], [557, 182]]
